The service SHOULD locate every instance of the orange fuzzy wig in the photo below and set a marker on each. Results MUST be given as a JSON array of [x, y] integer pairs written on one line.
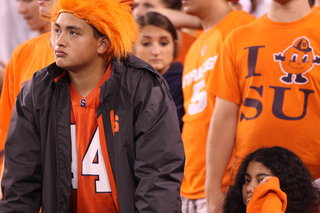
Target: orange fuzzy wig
[[113, 18]]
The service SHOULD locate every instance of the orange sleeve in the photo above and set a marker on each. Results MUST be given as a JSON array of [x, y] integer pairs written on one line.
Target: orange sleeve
[[268, 198], [6, 101], [224, 79]]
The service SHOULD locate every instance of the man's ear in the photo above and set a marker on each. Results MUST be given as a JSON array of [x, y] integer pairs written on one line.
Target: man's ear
[[104, 44]]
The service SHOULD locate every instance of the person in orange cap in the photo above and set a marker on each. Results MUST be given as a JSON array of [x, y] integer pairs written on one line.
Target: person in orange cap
[[87, 132], [272, 179]]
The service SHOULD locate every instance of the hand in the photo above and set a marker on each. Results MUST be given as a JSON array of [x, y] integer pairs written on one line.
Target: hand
[[264, 180], [3, 67]]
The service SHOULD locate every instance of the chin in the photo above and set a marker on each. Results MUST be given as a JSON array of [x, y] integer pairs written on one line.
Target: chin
[[63, 65]]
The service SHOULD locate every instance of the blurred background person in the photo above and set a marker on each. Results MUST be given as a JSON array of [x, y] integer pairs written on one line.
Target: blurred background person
[[157, 45], [26, 59], [141, 7], [29, 9], [17, 28]]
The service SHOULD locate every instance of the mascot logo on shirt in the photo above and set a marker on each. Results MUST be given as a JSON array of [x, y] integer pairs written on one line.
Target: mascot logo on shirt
[[297, 60]]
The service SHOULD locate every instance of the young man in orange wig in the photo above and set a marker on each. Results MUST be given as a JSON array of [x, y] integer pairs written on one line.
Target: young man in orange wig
[[97, 131]]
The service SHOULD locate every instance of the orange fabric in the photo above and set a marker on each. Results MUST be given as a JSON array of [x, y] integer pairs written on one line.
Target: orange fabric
[[198, 105], [94, 189], [187, 41], [198, 33], [268, 198], [263, 72], [316, 9], [25, 60]]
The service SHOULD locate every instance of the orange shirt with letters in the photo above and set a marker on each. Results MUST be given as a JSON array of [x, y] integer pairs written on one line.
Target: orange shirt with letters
[[25, 60], [273, 74], [93, 185], [199, 63]]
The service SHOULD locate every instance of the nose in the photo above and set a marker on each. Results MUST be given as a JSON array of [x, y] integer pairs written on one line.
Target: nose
[[22, 7], [60, 39], [155, 49], [251, 187]]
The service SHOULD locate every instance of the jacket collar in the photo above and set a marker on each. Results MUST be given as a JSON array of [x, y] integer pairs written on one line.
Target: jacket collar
[[60, 76]]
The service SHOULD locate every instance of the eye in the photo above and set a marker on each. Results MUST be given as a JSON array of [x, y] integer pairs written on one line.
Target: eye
[[305, 58], [73, 32], [57, 30], [145, 44], [247, 180], [149, 6], [294, 57], [164, 43]]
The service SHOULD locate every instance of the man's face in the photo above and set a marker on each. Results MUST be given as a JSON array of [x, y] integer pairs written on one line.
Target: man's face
[[195, 7], [76, 47], [45, 6], [141, 7], [29, 9]]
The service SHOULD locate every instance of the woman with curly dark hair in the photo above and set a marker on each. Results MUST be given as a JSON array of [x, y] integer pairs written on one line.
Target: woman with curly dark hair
[[295, 194]]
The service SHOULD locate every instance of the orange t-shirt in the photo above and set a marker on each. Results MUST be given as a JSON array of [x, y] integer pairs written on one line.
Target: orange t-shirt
[[93, 185], [25, 60], [199, 62], [273, 74], [187, 41], [316, 9], [268, 198]]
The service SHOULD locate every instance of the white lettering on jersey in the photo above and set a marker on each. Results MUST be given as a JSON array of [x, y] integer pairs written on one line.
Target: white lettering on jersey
[[197, 74], [92, 163]]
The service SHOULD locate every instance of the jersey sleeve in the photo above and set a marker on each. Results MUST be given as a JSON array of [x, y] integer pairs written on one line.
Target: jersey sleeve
[[7, 100], [268, 198], [224, 80]]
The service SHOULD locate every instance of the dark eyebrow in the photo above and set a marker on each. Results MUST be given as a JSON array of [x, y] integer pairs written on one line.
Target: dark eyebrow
[[149, 37], [263, 174], [68, 27], [258, 175], [246, 174]]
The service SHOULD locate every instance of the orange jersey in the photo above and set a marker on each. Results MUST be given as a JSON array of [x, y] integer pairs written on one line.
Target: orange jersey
[[198, 105], [26, 59], [268, 198], [93, 184], [273, 74], [187, 41]]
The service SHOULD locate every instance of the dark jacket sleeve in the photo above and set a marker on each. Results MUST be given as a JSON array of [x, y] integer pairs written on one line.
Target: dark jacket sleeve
[[21, 182], [159, 163]]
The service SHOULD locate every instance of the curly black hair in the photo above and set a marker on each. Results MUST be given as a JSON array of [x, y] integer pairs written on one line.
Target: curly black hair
[[295, 180]]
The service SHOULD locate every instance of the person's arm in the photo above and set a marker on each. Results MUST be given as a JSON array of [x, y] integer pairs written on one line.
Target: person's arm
[[159, 149], [21, 182], [3, 67], [220, 143], [268, 198], [179, 19]]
